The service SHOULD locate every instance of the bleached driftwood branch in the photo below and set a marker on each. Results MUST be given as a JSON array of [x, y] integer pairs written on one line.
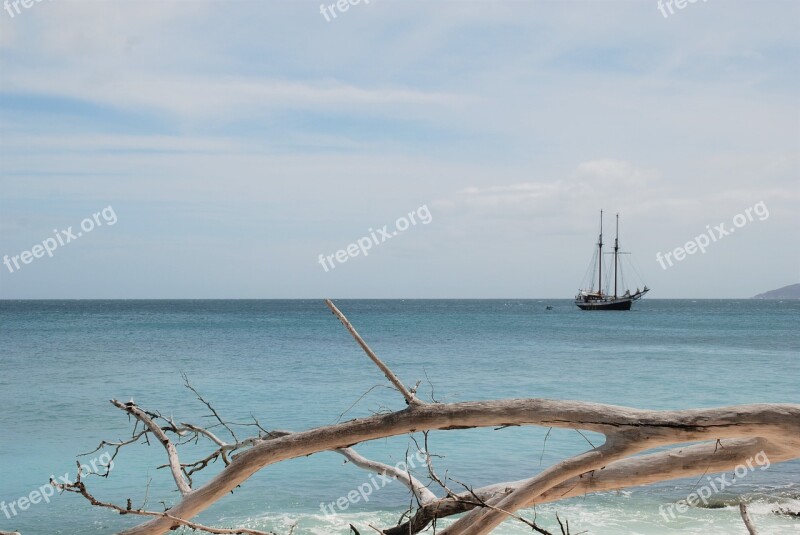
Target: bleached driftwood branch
[[409, 397], [417, 488], [658, 427], [726, 436], [172, 453], [675, 463], [751, 529]]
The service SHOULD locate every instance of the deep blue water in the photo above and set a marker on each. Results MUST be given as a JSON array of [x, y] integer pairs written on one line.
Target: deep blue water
[[293, 365]]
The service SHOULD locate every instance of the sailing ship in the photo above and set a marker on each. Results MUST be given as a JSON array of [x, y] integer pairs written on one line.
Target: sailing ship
[[597, 299]]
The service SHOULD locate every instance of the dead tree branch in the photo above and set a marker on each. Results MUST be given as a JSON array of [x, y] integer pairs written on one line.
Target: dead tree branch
[[633, 430], [420, 491], [409, 397], [78, 487], [172, 453], [751, 529]]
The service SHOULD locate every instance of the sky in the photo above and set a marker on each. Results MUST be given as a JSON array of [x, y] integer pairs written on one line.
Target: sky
[[230, 149]]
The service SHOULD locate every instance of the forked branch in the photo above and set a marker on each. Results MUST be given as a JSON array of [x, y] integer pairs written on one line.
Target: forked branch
[[172, 453]]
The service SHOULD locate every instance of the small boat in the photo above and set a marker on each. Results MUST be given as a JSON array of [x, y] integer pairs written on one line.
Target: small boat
[[595, 298]]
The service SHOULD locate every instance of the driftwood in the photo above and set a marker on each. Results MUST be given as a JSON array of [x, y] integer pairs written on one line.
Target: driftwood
[[785, 511], [751, 529], [725, 437]]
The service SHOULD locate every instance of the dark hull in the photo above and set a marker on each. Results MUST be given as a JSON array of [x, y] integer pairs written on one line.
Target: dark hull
[[617, 304]]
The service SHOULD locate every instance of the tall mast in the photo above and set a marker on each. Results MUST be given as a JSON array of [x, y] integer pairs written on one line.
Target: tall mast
[[600, 257], [616, 253]]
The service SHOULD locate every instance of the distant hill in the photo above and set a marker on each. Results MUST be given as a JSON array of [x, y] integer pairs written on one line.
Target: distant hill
[[787, 292]]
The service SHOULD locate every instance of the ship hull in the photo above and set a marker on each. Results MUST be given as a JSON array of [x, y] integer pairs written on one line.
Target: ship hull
[[616, 304]]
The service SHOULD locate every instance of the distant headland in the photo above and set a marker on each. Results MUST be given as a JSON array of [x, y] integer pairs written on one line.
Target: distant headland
[[787, 292]]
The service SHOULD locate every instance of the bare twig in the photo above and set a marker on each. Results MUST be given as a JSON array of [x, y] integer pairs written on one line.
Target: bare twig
[[484, 503], [214, 413], [78, 487], [410, 398], [751, 528]]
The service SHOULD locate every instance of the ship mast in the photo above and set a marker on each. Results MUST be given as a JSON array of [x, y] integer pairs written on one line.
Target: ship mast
[[616, 254], [600, 257]]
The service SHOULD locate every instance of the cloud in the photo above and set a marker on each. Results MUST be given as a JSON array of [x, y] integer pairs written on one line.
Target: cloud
[[613, 184], [202, 97]]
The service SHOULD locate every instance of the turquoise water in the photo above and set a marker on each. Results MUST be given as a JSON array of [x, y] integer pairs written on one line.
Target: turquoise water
[[292, 365]]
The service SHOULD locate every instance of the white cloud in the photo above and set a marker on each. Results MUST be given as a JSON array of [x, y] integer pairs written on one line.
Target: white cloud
[[613, 184]]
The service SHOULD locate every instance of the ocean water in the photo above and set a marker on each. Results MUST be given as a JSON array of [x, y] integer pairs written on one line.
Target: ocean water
[[293, 366]]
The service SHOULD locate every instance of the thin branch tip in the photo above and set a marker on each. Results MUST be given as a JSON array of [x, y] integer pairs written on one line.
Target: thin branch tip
[[409, 396]]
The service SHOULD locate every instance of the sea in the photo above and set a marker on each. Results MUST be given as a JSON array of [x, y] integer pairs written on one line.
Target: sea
[[290, 365]]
